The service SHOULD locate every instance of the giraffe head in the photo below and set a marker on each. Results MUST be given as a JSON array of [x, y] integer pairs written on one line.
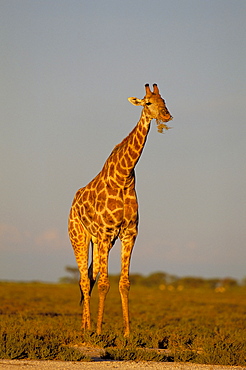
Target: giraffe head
[[154, 105]]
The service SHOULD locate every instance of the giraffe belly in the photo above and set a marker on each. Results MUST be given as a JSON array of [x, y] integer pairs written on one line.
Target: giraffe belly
[[107, 224], [106, 211], [104, 218]]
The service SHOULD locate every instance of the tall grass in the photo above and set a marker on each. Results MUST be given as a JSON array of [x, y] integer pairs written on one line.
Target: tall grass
[[194, 325]]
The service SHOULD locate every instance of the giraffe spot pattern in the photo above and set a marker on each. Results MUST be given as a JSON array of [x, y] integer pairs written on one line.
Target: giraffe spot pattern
[[107, 208]]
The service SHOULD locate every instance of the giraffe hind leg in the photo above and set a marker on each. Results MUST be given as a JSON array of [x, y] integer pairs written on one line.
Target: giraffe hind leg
[[103, 283], [124, 283]]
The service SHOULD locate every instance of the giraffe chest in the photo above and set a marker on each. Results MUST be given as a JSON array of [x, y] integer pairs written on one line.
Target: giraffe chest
[[106, 210]]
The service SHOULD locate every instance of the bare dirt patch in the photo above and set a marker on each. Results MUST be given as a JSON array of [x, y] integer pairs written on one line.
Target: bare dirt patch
[[106, 364]]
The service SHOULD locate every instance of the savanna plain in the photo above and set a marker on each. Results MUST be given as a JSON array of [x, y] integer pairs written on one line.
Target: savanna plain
[[182, 322]]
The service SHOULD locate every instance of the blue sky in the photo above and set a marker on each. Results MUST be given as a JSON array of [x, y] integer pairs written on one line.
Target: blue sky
[[67, 69]]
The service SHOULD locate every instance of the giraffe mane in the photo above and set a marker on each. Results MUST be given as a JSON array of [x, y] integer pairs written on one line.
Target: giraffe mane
[[120, 145]]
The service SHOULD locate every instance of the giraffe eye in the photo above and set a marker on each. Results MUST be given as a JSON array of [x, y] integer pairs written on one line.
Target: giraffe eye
[[148, 103]]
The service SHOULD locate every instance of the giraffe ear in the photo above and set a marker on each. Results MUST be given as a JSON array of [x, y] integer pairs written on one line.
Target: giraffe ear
[[136, 101]]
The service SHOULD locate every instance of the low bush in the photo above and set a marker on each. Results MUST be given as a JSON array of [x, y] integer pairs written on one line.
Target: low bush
[[43, 321]]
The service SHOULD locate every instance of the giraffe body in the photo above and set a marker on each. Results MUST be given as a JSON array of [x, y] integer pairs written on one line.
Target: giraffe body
[[107, 209]]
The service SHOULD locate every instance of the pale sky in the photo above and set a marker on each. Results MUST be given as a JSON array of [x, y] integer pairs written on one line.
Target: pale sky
[[67, 69]]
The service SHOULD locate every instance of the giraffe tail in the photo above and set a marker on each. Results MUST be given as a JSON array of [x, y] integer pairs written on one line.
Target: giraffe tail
[[81, 295], [92, 272], [92, 279]]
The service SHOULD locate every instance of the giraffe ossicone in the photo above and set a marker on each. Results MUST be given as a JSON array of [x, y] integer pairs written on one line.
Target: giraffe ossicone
[[107, 209]]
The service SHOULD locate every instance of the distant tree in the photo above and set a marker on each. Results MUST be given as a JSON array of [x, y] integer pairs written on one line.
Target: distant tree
[[229, 282], [136, 279], [156, 279], [192, 282], [213, 283], [74, 278], [172, 279]]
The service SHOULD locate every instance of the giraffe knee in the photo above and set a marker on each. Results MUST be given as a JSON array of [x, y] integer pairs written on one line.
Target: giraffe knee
[[103, 286], [124, 286], [84, 284]]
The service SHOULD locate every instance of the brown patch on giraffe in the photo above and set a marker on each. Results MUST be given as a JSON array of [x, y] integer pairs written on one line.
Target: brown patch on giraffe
[[100, 186], [107, 217], [87, 209], [74, 232], [136, 144], [88, 187], [144, 131], [86, 195], [133, 154], [120, 180], [102, 194], [113, 183], [113, 204], [140, 137], [128, 200], [112, 191], [118, 214], [128, 160], [86, 221], [100, 206], [123, 163], [111, 170], [120, 170], [93, 229], [92, 194], [98, 219]]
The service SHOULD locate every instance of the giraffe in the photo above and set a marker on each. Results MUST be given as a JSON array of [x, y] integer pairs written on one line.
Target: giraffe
[[107, 209]]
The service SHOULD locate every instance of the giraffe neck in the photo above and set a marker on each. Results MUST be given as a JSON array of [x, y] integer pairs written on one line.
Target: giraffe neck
[[124, 157]]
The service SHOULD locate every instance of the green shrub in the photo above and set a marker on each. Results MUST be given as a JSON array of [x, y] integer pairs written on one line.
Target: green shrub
[[19, 345]]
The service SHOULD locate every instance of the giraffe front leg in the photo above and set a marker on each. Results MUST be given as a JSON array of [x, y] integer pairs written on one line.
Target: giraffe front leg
[[124, 283], [124, 287], [85, 291], [103, 285], [86, 315]]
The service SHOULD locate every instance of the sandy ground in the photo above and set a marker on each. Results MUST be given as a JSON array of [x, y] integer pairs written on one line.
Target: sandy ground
[[106, 365]]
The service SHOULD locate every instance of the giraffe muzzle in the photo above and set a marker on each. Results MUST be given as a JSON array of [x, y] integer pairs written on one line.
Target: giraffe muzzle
[[165, 118]]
